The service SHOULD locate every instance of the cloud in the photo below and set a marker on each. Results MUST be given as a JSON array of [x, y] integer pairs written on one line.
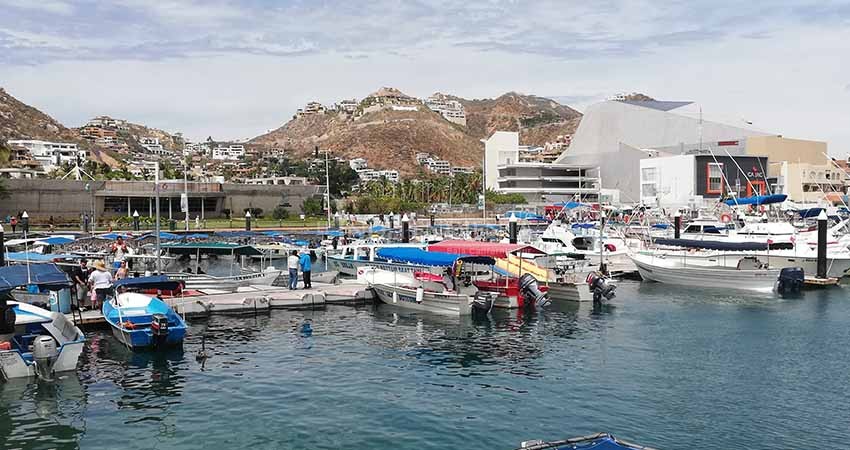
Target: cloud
[[165, 29]]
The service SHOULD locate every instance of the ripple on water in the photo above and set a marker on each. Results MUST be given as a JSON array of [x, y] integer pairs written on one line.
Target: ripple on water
[[661, 366]]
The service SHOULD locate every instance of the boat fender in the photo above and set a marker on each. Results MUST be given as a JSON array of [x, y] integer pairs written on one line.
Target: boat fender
[[725, 217], [129, 325], [5, 345], [611, 247], [762, 208]]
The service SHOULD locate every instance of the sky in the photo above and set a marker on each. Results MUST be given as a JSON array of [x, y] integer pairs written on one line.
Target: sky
[[237, 69]]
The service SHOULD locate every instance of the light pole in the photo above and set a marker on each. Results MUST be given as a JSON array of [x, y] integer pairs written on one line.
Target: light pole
[[248, 220], [136, 220]]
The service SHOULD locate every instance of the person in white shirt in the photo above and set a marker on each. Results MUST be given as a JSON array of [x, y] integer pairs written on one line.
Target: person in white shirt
[[101, 281], [292, 265]]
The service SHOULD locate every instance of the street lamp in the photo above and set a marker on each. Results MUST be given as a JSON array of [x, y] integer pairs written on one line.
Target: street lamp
[[248, 220]]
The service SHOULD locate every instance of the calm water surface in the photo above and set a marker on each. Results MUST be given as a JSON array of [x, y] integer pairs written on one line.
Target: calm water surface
[[671, 368]]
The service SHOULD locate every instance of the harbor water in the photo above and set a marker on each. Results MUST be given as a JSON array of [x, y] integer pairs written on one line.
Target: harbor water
[[666, 367]]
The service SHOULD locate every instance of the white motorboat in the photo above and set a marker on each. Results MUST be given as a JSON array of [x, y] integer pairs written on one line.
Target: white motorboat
[[203, 281], [35, 341], [748, 273], [349, 258]]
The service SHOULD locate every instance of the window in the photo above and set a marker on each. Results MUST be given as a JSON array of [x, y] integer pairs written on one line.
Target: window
[[714, 175], [648, 174]]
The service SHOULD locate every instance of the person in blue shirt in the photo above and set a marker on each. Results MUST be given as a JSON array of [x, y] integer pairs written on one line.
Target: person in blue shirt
[[305, 263]]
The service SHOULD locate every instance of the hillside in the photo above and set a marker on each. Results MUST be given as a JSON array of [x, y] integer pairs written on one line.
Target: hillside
[[537, 119], [389, 139], [21, 121]]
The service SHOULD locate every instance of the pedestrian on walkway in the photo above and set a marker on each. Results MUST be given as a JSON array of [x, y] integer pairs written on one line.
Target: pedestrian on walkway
[[305, 263], [292, 264]]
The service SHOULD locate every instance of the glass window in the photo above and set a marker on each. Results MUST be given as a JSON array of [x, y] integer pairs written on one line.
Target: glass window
[[648, 173], [715, 178]]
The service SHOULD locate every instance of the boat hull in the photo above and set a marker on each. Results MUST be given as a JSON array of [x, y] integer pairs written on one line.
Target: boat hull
[[654, 269], [570, 292], [421, 300], [349, 267]]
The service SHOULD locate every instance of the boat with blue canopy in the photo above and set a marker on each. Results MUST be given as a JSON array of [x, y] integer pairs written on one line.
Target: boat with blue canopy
[[599, 441], [33, 340], [757, 200], [140, 320]]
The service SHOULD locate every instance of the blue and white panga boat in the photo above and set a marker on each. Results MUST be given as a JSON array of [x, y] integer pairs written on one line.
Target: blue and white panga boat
[[141, 320], [35, 341], [599, 441]]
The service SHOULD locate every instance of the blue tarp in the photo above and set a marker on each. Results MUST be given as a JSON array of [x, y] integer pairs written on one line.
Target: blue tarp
[[56, 240], [163, 235], [37, 257], [236, 233], [45, 276], [757, 200], [155, 282], [485, 226], [724, 246], [524, 215], [661, 226], [418, 256], [570, 205], [584, 225], [114, 236], [378, 229], [196, 236], [810, 212]]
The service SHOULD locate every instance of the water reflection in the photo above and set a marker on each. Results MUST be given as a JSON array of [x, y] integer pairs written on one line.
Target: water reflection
[[37, 414]]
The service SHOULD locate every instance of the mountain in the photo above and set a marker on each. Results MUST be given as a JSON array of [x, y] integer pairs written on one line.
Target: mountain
[[538, 119], [21, 121], [389, 127]]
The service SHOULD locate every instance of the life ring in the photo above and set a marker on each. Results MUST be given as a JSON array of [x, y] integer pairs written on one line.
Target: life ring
[[725, 217]]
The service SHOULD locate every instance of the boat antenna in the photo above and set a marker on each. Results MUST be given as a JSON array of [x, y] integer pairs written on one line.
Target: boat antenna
[[710, 152]]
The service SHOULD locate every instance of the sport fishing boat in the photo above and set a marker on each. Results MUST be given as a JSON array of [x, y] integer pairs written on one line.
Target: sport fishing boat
[[139, 320], [599, 441], [35, 341]]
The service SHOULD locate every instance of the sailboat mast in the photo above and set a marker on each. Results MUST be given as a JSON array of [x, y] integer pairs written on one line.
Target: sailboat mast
[[158, 243]]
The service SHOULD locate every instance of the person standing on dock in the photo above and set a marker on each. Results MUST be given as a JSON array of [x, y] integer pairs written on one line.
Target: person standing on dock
[[306, 265], [292, 265], [81, 279], [101, 282]]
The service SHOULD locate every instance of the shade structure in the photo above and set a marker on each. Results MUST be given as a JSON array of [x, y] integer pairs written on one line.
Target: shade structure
[[475, 248]]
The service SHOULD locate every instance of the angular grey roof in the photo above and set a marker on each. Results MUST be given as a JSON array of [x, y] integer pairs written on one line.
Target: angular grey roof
[[656, 104]]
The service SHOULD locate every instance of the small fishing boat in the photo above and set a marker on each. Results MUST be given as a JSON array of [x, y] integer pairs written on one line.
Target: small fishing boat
[[33, 340], [140, 320], [599, 441], [747, 273], [454, 292], [348, 258]]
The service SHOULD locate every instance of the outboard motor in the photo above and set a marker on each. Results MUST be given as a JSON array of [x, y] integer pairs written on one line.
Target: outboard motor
[[44, 352], [482, 302], [791, 281], [600, 287], [159, 328], [531, 291]]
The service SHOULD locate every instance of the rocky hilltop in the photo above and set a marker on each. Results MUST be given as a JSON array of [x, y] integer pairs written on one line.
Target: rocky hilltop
[[21, 121], [389, 127]]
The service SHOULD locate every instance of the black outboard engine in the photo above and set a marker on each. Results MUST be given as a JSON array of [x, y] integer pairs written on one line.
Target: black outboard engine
[[531, 291], [7, 317], [600, 287], [791, 280], [159, 328]]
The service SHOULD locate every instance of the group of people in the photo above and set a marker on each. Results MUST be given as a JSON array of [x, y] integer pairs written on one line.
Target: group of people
[[94, 285], [295, 263]]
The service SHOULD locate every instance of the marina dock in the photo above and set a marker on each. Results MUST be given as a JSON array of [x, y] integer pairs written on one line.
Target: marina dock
[[252, 300]]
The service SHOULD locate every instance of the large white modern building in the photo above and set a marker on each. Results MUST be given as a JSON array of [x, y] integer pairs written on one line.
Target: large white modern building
[[232, 152], [613, 134], [51, 154], [505, 171]]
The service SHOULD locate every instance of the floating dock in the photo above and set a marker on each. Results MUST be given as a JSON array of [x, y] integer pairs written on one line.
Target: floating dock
[[817, 282], [252, 300]]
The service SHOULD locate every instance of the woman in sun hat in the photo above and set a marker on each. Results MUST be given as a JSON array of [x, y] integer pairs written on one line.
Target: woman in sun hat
[[101, 281]]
